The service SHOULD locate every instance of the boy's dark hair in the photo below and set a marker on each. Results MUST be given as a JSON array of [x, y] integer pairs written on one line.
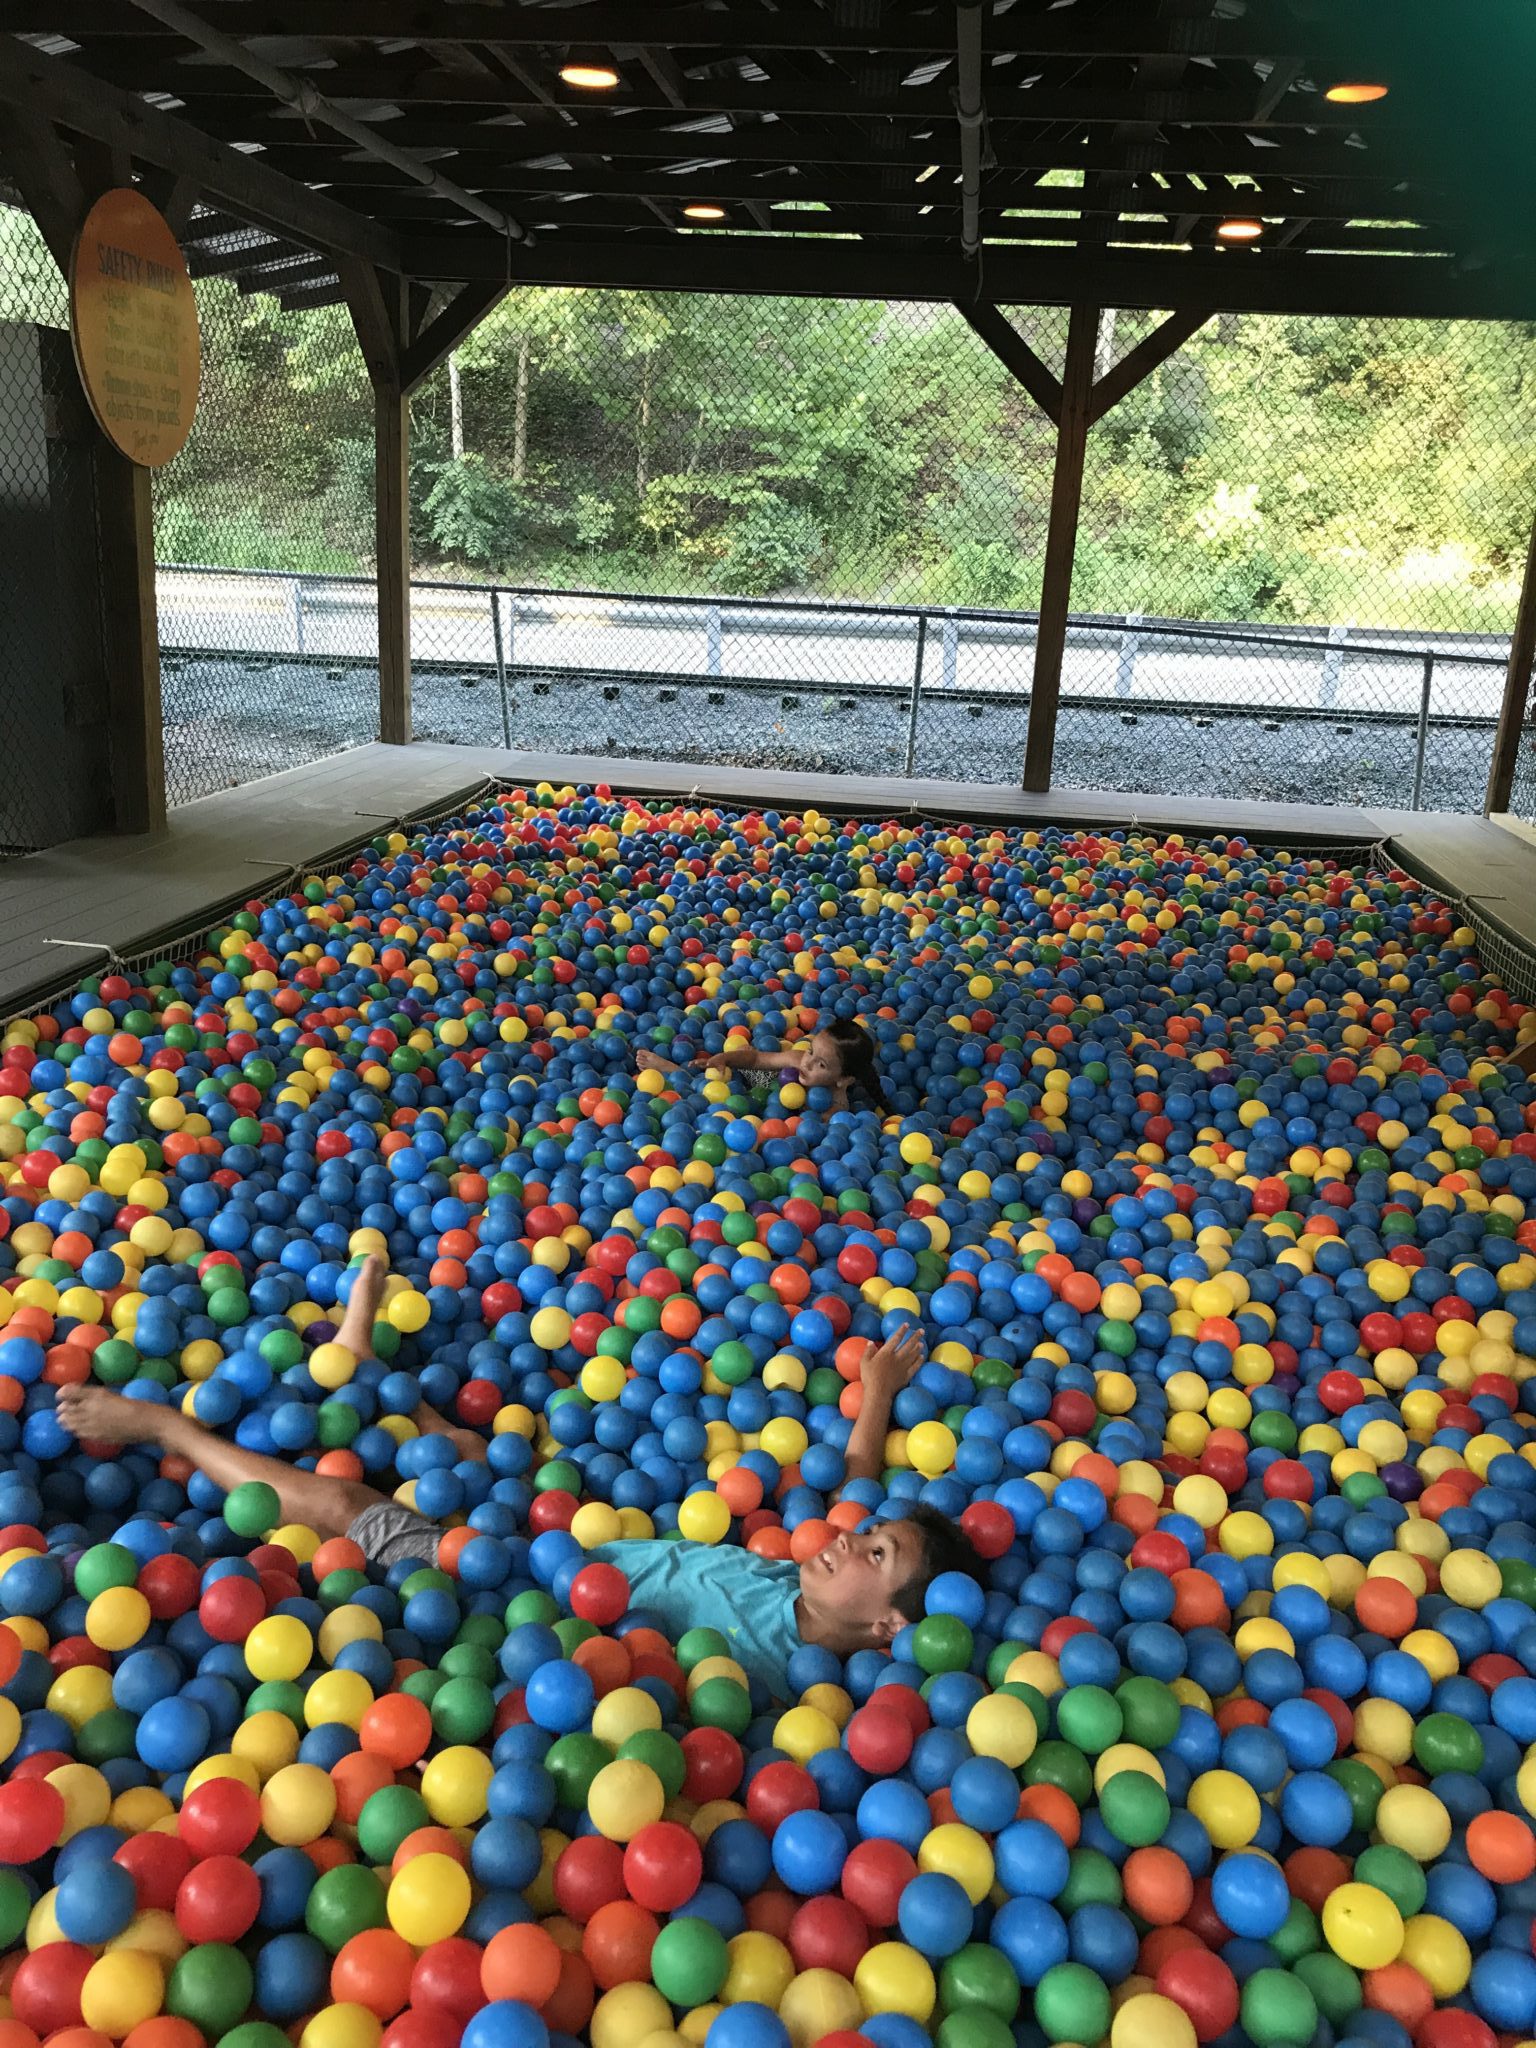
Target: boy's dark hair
[[946, 1548], [856, 1049]]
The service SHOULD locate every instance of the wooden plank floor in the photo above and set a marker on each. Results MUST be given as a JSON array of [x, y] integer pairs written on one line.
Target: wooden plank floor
[[64, 910]]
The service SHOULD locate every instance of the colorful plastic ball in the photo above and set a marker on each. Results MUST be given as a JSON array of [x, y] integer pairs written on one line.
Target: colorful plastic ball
[[252, 1508], [429, 1899], [1072, 2004], [893, 1978]]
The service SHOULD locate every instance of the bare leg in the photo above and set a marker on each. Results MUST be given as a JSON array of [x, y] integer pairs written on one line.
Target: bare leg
[[356, 1331], [95, 1414]]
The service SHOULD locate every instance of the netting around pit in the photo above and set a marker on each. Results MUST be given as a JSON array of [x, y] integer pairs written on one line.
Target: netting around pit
[[632, 1424]]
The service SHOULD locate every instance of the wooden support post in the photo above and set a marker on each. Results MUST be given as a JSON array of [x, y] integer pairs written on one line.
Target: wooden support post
[[1513, 731], [381, 314], [1061, 544]]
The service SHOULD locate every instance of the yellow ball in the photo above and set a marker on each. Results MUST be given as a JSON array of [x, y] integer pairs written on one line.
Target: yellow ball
[[77, 1694], [624, 1797], [785, 1440], [1201, 1498], [343, 1696], [342, 2026], [268, 1741], [117, 1618], [278, 1648], [1471, 1578], [760, 1969], [121, 1990], [1412, 1819], [819, 2002], [894, 1978], [626, 2014], [1147, 2020], [704, 1518], [298, 1804], [331, 1365], [931, 1447], [803, 1732], [1362, 1926], [916, 1149], [1439, 1951], [408, 1311], [454, 1786], [86, 1794], [550, 1329], [1384, 1729], [428, 1898], [1226, 1806], [596, 1523], [625, 1711], [1002, 1726], [603, 1379], [956, 1851]]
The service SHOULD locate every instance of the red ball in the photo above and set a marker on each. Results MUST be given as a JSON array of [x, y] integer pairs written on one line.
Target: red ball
[[1450, 2028], [553, 1510], [447, 1976], [1339, 1391], [618, 1942], [1288, 1479], [828, 1934], [170, 1585], [220, 1818], [1206, 1989], [157, 1864], [31, 1815], [875, 1874], [1073, 1413], [600, 1594], [780, 1789], [663, 1866], [423, 2027], [879, 1739], [230, 1608], [589, 1873], [989, 1527], [45, 1991], [715, 1764], [218, 1900]]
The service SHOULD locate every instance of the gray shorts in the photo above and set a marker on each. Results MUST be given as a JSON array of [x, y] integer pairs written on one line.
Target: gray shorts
[[388, 1534]]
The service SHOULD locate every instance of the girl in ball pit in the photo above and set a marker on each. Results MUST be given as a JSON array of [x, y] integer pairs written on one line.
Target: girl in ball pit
[[856, 1593], [839, 1057]]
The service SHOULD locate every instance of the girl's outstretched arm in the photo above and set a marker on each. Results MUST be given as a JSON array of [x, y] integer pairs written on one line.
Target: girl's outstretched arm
[[887, 1368]]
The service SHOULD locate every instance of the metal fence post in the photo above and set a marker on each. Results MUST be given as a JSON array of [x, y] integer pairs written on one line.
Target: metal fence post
[[501, 666], [713, 662], [950, 674], [1425, 692], [1333, 666], [917, 691], [1130, 646], [298, 615]]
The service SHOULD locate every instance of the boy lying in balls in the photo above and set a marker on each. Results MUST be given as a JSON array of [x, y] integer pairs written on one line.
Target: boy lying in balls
[[854, 1594]]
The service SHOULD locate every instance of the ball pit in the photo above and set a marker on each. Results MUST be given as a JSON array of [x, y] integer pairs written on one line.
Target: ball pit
[[1203, 1175]]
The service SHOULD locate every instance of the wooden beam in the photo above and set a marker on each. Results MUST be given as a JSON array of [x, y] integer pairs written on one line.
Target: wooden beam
[[380, 313], [1385, 287], [42, 172], [1014, 353], [125, 520], [1514, 730], [441, 336], [1133, 368], [173, 197], [59, 90], [1061, 545]]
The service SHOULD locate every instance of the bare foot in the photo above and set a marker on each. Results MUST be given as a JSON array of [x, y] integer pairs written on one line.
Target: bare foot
[[95, 1414], [356, 1331]]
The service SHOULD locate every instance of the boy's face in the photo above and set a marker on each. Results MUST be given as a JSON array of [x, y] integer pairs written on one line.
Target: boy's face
[[820, 1063], [851, 1585]]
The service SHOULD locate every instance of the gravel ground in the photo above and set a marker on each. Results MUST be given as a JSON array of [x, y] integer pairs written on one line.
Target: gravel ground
[[228, 722]]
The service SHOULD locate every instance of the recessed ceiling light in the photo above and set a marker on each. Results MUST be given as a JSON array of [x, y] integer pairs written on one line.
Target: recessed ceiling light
[[700, 211], [923, 176], [1356, 93], [1240, 230], [590, 77]]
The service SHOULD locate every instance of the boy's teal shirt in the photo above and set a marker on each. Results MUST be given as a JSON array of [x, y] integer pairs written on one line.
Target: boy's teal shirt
[[749, 1599]]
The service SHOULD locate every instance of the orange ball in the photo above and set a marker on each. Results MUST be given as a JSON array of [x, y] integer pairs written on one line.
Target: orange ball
[[1058, 1810], [811, 1536], [1157, 1886], [373, 1969], [521, 1962], [740, 1489], [1387, 1608], [1502, 1847], [617, 1943], [1398, 1990], [356, 1778], [397, 1728], [1313, 1873]]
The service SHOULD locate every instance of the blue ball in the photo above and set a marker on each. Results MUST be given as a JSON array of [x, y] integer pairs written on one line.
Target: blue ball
[[505, 2023], [94, 1902], [935, 1915], [1250, 1894]]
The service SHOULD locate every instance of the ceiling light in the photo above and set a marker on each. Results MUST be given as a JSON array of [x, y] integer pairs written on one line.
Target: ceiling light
[[590, 77], [701, 211], [1240, 230], [1355, 93], [923, 176]]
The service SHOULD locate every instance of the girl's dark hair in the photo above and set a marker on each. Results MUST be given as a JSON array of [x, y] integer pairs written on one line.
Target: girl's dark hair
[[856, 1050], [946, 1548]]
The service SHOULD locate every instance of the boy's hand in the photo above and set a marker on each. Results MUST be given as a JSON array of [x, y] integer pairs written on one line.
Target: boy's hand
[[889, 1367]]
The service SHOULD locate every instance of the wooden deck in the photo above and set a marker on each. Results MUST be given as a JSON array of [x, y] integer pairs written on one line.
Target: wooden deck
[[65, 912]]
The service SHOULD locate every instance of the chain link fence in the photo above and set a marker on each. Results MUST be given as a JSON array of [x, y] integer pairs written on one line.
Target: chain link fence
[[810, 534]]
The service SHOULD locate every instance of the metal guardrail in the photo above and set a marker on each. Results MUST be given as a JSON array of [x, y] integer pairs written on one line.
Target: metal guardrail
[[913, 653]]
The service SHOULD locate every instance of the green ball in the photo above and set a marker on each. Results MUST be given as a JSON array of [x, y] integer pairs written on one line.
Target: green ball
[[661, 1753], [253, 1508], [721, 1703], [695, 1644], [467, 1658], [1394, 1872], [689, 1962], [942, 1642], [1334, 1985], [279, 1696], [1300, 1934], [1445, 1742], [102, 1566], [106, 1735], [1134, 1807], [1072, 2004], [973, 2027], [340, 1587], [345, 1901], [573, 1762], [1089, 1718], [980, 1976], [255, 2034], [211, 1986], [387, 1817], [15, 1907], [1092, 1880], [424, 1686], [1278, 2010], [1059, 1764], [464, 1710], [1365, 1790], [533, 1605], [1151, 1712]]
